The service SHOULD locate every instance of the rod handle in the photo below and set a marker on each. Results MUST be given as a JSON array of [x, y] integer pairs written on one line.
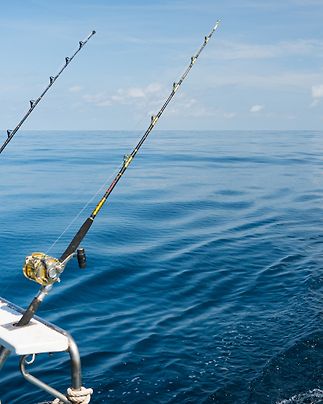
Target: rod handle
[[30, 312], [77, 239]]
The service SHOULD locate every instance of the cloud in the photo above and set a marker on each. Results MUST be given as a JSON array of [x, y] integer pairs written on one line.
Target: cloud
[[317, 91], [148, 100], [99, 99], [307, 2], [256, 108], [75, 89], [185, 106], [229, 115], [317, 94], [228, 50], [129, 95], [273, 81]]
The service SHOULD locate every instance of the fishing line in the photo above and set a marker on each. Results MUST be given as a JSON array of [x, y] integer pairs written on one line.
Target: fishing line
[[134, 128], [82, 210]]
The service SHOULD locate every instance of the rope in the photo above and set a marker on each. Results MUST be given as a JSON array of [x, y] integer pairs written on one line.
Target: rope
[[81, 396]]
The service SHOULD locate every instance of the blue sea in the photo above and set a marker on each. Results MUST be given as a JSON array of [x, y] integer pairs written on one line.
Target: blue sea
[[205, 268]]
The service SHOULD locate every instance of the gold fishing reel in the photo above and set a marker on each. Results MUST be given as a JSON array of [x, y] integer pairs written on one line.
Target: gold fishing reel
[[45, 270], [42, 268]]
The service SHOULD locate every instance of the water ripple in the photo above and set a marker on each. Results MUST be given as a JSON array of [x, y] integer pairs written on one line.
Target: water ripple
[[204, 280]]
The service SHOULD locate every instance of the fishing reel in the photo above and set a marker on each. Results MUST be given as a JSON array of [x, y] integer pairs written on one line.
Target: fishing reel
[[42, 268], [46, 270]]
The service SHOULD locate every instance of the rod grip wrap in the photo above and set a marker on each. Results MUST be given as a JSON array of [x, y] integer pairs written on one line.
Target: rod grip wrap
[[77, 239], [29, 313]]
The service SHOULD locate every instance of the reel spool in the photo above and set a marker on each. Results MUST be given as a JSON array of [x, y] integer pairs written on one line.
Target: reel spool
[[42, 268], [46, 270]]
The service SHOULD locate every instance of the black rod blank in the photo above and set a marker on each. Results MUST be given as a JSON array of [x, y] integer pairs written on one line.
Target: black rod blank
[[33, 103], [79, 236]]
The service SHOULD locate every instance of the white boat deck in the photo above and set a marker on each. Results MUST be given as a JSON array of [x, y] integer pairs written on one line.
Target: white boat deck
[[36, 337]]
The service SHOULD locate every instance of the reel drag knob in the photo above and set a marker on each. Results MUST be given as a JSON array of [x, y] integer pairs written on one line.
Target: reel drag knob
[[81, 258]]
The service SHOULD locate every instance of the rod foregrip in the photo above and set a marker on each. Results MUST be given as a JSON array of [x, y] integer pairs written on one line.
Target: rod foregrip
[[77, 239]]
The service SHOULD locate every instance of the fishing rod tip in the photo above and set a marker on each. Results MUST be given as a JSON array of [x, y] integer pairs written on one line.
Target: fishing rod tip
[[93, 32]]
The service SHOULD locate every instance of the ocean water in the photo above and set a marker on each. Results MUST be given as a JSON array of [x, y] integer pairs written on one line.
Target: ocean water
[[205, 268]]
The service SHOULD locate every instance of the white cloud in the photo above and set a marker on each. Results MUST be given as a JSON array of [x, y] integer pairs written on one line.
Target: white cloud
[[75, 89], [274, 81], [317, 94], [256, 108], [135, 93], [125, 95], [228, 50], [186, 107], [317, 91], [99, 99], [308, 2], [229, 115]]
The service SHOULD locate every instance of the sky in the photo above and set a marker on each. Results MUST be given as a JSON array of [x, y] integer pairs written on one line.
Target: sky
[[262, 70]]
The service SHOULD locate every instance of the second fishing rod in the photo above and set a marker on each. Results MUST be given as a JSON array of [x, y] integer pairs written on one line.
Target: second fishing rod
[[33, 103]]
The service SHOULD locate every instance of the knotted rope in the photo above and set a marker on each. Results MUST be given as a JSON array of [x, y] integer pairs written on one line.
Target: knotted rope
[[82, 396]]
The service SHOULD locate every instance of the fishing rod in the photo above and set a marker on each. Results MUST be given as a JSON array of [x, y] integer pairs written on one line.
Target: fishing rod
[[34, 103], [46, 270]]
